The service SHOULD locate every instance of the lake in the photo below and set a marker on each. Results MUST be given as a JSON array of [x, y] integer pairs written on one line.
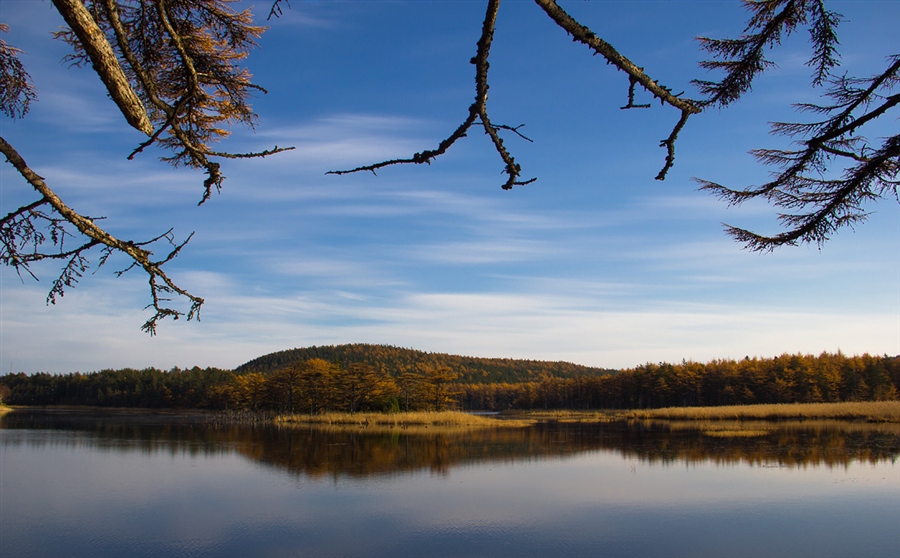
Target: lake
[[81, 484]]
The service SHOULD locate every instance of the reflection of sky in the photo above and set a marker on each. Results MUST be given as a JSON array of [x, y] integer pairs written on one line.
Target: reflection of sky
[[81, 501]]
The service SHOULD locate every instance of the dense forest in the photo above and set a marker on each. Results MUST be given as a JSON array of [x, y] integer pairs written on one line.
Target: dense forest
[[784, 379], [195, 388], [302, 381]]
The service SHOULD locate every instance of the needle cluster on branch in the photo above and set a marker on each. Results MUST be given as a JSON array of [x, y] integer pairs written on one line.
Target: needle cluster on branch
[[834, 171], [16, 90], [172, 69]]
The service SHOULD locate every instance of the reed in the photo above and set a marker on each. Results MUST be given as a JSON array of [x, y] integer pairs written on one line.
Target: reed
[[736, 433], [873, 411], [421, 419], [564, 415]]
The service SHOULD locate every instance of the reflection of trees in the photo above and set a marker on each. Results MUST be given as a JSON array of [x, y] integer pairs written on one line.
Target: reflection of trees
[[799, 444], [147, 433], [319, 452]]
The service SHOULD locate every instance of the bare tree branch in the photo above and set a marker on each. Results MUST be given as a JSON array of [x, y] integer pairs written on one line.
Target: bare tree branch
[[584, 35], [24, 220], [632, 82], [636, 76], [276, 11], [477, 111]]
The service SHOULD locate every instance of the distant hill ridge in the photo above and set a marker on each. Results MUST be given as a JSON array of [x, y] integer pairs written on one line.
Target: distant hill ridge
[[395, 360]]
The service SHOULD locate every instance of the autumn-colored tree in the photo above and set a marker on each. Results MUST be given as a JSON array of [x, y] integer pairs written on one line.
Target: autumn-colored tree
[[408, 383], [359, 386], [437, 383], [317, 382], [288, 383], [250, 391]]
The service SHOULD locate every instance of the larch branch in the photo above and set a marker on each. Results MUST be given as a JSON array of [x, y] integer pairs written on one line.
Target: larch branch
[[105, 63], [159, 281], [584, 35], [636, 76], [477, 111]]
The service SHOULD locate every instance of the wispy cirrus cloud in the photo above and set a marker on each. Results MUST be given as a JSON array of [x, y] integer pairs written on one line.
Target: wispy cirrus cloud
[[482, 251], [543, 318], [346, 139]]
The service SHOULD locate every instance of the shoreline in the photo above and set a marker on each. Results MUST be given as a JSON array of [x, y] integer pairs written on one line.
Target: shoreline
[[856, 411], [865, 411]]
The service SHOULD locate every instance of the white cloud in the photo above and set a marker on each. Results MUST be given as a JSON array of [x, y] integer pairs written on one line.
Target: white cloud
[[489, 251], [364, 275], [80, 110], [345, 140], [589, 322], [292, 16]]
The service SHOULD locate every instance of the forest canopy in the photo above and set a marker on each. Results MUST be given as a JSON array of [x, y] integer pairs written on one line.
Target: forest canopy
[[302, 381]]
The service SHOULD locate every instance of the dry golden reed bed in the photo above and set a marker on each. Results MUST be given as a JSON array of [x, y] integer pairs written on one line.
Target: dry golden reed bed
[[868, 411], [423, 418], [874, 411]]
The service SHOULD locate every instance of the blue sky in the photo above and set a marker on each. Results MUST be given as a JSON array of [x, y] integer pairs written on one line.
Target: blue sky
[[595, 263]]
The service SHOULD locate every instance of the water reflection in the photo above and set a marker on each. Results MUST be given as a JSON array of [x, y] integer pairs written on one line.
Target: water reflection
[[319, 452], [110, 486]]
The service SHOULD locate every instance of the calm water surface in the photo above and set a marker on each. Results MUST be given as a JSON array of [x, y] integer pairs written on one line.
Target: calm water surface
[[79, 485]]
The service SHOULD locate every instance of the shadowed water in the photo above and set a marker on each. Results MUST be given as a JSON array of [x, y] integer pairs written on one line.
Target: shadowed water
[[86, 485]]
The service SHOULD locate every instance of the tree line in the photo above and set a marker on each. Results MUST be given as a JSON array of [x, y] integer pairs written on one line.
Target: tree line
[[316, 385], [784, 379], [312, 386], [152, 388]]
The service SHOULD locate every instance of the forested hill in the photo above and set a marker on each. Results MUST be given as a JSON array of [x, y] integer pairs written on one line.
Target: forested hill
[[395, 360]]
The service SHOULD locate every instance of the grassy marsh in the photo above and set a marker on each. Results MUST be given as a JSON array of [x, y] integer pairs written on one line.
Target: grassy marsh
[[738, 433], [873, 411], [422, 419], [740, 421]]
